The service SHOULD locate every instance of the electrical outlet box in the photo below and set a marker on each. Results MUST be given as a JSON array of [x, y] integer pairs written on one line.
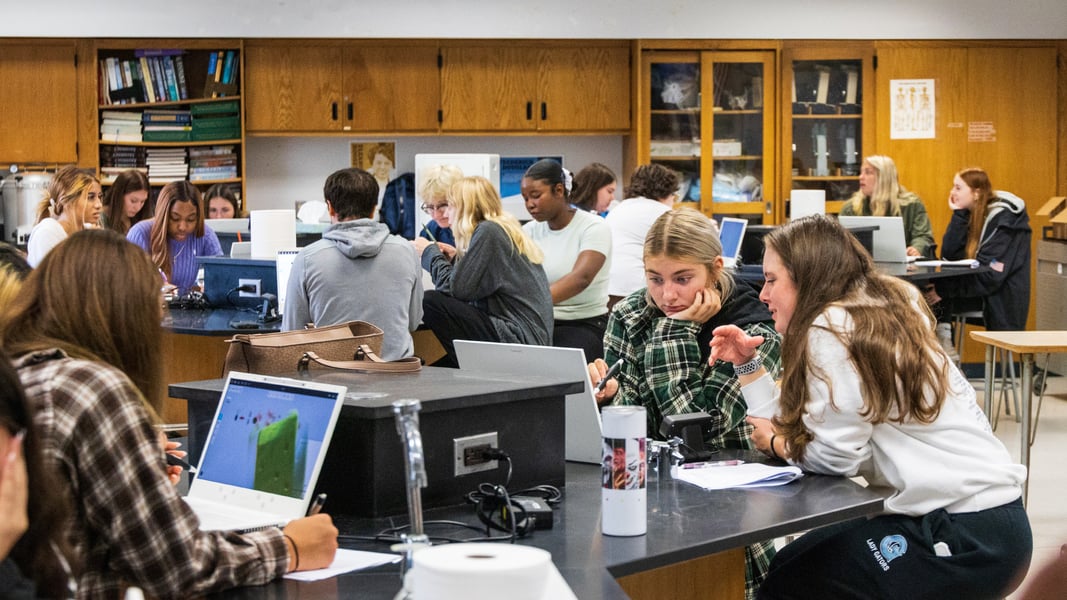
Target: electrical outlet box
[[256, 283], [466, 453]]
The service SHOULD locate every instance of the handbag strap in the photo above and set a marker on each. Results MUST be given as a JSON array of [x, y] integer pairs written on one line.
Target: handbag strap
[[370, 362]]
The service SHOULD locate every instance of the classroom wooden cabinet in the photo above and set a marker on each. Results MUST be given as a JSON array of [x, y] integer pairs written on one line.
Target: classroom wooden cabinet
[[710, 115], [38, 102], [316, 87], [828, 119], [516, 87]]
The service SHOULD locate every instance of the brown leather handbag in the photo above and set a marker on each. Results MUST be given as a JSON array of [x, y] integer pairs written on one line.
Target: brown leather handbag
[[354, 345]]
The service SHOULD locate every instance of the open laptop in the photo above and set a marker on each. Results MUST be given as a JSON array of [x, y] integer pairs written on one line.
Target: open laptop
[[582, 416], [731, 234], [888, 240], [262, 456]]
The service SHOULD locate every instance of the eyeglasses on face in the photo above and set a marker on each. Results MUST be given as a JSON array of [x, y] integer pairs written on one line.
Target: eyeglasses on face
[[432, 208]]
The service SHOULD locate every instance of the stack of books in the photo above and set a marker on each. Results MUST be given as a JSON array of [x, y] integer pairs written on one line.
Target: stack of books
[[167, 125], [209, 163], [216, 121], [108, 174], [153, 75], [120, 126], [221, 74], [166, 165]]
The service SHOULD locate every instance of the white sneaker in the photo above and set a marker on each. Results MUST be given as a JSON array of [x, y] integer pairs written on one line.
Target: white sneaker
[[944, 335]]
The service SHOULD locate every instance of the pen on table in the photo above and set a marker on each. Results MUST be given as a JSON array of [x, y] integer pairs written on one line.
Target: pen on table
[[714, 463], [316, 505], [613, 371], [429, 233], [174, 461]]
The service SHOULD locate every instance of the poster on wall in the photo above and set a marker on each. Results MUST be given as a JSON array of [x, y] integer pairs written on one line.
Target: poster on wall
[[378, 159], [912, 109]]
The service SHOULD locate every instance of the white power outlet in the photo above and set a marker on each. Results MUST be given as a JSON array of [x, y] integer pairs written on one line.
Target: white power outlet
[[466, 453], [256, 283]]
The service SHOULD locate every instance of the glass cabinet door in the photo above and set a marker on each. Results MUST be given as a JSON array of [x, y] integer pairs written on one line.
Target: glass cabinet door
[[710, 117], [739, 93], [825, 142]]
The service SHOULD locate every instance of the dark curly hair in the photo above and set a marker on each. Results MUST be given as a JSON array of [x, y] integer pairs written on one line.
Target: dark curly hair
[[654, 182]]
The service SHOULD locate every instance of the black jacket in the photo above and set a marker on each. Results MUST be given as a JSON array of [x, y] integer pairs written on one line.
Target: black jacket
[[1005, 248]]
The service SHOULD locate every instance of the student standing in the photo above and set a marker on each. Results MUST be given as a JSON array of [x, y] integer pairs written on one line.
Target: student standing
[[358, 270], [126, 202], [92, 367], [577, 248], [74, 202], [868, 391], [494, 289], [177, 235], [881, 195]]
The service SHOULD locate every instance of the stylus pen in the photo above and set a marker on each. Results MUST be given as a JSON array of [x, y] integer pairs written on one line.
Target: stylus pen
[[613, 371], [174, 461], [316, 505]]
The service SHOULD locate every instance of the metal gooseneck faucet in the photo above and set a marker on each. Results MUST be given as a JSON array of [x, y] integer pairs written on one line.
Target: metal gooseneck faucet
[[407, 425]]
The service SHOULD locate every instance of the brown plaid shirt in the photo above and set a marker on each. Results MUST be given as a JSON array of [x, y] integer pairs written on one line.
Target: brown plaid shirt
[[130, 525]]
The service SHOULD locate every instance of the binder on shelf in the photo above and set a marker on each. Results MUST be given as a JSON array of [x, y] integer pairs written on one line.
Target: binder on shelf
[[215, 108]]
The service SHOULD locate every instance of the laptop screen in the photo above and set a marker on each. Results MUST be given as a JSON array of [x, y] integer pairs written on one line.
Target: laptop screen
[[731, 233], [268, 436]]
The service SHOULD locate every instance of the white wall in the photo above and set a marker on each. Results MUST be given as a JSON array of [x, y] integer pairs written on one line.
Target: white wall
[[286, 170], [627, 19]]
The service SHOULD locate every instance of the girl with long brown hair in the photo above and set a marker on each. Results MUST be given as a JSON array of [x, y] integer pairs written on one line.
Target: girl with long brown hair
[[868, 391], [126, 202]]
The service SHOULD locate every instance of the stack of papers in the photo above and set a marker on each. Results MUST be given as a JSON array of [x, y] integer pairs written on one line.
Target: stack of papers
[[747, 475], [965, 262]]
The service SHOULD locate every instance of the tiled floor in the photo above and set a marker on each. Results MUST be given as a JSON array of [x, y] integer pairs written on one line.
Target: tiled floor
[[1048, 477]]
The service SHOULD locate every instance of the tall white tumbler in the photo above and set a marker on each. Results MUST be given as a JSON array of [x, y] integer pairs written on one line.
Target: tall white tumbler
[[623, 498]]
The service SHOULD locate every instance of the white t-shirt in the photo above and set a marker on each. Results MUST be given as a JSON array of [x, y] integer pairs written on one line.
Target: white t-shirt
[[586, 231], [43, 237], [629, 223]]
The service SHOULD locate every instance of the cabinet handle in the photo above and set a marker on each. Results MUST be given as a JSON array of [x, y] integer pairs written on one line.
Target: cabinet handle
[[349, 111], [333, 111], [529, 111], [544, 111]]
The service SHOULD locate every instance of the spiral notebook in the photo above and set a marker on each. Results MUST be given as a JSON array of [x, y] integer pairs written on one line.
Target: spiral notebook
[[262, 457]]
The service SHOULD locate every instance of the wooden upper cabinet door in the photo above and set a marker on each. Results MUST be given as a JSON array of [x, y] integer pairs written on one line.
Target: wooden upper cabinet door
[[391, 88], [584, 89], [38, 104], [293, 88], [489, 88]]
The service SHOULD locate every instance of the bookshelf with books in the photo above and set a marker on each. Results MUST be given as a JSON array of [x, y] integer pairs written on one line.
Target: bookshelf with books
[[172, 108]]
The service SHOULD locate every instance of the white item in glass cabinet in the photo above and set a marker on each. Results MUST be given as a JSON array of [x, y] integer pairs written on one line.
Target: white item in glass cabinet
[[818, 134], [726, 148], [852, 87], [681, 90], [674, 148], [757, 92], [823, 91], [803, 203]]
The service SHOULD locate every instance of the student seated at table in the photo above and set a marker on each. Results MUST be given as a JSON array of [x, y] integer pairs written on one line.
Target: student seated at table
[[882, 195], [494, 289], [221, 202], [73, 203], [662, 333], [992, 227], [177, 235], [126, 201], [86, 342], [577, 248], [867, 390], [434, 191], [35, 559], [358, 270], [594, 189]]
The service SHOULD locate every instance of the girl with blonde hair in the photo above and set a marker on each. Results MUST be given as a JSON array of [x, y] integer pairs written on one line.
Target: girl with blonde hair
[[494, 289], [881, 195], [73, 203], [434, 191]]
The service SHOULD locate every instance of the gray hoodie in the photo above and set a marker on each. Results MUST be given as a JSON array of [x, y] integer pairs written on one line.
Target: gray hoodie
[[358, 271]]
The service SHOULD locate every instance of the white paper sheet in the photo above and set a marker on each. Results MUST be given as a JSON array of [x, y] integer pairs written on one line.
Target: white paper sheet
[[345, 561], [737, 476]]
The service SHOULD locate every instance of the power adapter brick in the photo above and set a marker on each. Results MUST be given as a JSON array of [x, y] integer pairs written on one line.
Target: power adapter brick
[[537, 509]]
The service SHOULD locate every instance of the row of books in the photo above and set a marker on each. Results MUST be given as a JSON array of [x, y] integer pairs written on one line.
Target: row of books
[[202, 122], [152, 76], [163, 165], [222, 68]]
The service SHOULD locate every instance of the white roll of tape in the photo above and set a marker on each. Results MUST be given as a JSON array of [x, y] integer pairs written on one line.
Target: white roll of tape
[[480, 572]]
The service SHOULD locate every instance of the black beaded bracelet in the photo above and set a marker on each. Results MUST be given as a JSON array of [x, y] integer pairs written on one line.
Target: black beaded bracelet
[[774, 453], [296, 553]]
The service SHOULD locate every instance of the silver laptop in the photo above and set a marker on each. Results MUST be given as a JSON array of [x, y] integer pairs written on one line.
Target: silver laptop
[[731, 234], [263, 454], [888, 240], [582, 417]]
